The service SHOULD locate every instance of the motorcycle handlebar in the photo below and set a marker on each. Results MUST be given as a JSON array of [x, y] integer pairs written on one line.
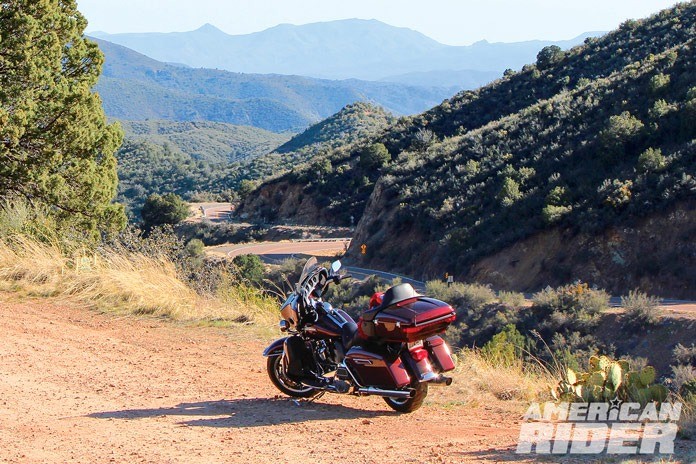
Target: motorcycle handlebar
[[338, 278]]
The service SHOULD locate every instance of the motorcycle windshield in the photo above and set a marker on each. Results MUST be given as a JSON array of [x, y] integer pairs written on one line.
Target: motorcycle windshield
[[309, 268]]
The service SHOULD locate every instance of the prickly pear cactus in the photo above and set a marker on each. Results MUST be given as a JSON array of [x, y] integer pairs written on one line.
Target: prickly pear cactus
[[607, 379]]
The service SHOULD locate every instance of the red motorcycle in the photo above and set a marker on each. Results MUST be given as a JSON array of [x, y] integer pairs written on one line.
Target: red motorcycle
[[393, 351]]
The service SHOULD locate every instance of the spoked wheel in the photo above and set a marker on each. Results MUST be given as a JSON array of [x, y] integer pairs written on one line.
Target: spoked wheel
[[276, 372], [409, 404]]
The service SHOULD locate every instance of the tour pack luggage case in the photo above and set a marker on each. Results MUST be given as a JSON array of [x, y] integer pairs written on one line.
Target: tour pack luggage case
[[405, 316]]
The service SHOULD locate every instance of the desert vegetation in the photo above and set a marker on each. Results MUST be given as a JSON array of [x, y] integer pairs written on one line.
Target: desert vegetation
[[130, 272]]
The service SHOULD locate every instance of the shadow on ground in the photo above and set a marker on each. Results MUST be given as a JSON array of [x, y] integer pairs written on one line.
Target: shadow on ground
[[251, 412]]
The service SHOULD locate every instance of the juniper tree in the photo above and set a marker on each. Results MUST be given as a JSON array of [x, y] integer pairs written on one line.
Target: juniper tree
[[56, 146]]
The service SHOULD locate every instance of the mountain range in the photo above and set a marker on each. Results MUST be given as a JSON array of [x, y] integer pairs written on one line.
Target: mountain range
[[343, 49], [136, 87]]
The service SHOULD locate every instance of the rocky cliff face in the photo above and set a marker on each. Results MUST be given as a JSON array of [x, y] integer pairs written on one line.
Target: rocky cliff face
[[656, 254], [283, 201]]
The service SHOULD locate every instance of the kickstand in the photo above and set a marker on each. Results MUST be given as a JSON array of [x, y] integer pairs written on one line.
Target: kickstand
[[316, 397]]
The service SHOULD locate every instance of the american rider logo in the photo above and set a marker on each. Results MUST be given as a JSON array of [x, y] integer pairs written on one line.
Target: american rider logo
[[593, 428]]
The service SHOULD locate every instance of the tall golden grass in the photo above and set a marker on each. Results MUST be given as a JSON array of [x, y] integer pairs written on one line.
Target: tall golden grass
[[121, 282], [521, 381]]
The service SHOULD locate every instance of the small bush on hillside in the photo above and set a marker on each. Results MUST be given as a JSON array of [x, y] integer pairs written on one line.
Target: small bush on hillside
[[553, 213], [616, 193], [549, 56], [685, 354], [250, 268], [462, 297], [641, 310], [620, 131], [651, 160], [574, 306], [509, 192], [658, 82], [513, 299], [682, 374], [160, 210], [507, 348], [374, 156]]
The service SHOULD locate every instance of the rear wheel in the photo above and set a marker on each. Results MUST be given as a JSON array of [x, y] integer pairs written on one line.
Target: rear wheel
[[276, 372], [409, 404]]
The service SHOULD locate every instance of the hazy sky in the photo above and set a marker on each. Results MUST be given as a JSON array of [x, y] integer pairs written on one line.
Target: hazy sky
[[454, 22]]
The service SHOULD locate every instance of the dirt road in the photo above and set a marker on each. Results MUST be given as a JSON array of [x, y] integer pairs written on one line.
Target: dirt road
[[277, 251], [77, 386]]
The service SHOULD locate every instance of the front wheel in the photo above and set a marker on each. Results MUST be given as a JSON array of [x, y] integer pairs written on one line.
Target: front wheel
[[274, 367], [409, 404]]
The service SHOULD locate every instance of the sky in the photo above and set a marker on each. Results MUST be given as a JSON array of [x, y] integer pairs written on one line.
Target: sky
[[453, 22]]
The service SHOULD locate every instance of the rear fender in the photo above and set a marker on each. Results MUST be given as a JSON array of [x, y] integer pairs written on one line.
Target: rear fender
[[275, 348]]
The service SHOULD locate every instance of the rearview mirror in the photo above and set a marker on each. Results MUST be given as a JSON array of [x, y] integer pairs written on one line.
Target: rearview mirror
[[335, 266]]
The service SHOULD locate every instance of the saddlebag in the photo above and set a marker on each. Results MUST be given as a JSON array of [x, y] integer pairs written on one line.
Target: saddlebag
[[298, 358], [376, 369]]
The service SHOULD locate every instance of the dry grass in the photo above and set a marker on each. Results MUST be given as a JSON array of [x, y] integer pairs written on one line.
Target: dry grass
[[121, 282], [477, 382]]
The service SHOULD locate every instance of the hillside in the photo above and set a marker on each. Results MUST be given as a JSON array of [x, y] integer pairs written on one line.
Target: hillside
[[206, 141], [580, 142], [352, 123], [135, 87], [343, 49], [205, 158]]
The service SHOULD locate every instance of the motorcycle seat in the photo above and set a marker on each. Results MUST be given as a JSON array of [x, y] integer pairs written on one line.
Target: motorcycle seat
[[394, 295]]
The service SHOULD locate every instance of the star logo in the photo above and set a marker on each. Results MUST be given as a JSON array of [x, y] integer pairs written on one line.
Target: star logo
[[615, 403]]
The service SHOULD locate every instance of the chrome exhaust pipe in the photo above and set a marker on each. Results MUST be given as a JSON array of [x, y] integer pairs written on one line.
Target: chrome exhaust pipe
[[441, 380], [389, 393]]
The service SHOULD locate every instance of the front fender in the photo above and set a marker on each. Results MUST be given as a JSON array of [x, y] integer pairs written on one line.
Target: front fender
[[275, 348]]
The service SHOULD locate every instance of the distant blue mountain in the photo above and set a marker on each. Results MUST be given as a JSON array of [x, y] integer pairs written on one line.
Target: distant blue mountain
[[354, 48], [136, 87]]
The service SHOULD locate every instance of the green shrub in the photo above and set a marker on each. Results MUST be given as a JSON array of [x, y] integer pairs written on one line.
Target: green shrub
[[160, 210], [509, 192], [463, 297], [513, 299], [374, 156], [659, 82], [250, 268], [549, 56], [573, 306], [651, 160], [641, 310], [685, 354], [553, 213], [621, 129], [507, 348]]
